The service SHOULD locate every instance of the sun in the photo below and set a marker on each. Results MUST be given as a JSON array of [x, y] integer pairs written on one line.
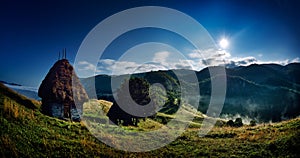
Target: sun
[[224, 43]]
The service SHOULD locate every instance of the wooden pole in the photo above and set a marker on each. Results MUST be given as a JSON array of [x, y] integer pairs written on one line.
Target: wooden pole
[[65, 53]]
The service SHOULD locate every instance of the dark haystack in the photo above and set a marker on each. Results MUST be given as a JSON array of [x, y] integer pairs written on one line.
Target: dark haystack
[[57, 93]]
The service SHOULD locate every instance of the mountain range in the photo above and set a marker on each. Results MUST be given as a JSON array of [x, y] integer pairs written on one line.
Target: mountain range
[[29, 92], [266, 92]]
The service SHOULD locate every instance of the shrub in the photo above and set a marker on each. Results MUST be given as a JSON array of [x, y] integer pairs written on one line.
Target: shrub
[[139, 93], [252, 123], [230, 123], [238, 122]]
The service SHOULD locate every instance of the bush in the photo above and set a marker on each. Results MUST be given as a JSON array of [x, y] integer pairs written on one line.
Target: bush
[[230, 123], [139, 93], [252, 123], [238, 122]]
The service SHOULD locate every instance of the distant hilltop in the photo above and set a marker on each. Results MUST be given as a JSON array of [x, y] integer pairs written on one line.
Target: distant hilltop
[[266, 92], [10, 83]]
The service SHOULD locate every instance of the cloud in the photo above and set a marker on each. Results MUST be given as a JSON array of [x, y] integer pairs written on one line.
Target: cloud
[[280, 62], [243, 61], [161, 57], [84, 66], [296, 60], [195, 55], [222, 54], [213, 57], [208, 53], [107, 61], [114, 67], [160, 61], [208, 57], [202, 53], [166, 60]]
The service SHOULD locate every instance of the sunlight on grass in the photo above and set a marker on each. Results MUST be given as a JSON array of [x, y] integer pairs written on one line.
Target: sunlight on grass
[[26, 131]]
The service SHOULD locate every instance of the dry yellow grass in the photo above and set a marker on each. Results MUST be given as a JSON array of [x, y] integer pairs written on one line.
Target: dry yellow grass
[[106, 105], [95, 106], [12, 109]]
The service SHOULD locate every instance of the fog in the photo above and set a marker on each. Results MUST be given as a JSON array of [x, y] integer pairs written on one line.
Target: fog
[[246, 119]]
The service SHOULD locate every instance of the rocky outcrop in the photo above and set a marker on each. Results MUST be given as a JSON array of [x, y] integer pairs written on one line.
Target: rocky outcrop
[[59, 91]]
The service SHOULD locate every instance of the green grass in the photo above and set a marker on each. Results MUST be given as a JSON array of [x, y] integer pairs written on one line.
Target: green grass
[[25, 132]]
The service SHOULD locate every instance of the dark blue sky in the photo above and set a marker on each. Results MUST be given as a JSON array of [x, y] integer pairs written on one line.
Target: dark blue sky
[[32, 32]]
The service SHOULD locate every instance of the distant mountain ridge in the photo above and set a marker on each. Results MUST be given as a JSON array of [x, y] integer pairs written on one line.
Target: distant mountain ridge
[[10, 83], [30, 92], [266, 92]]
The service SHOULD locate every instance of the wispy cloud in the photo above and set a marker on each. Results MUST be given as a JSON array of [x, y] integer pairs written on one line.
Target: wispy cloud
[[161, 57], [242, 61], [84, 66], [212, 57], [164, 60], [160, 61], [280, 62], [114, 67]]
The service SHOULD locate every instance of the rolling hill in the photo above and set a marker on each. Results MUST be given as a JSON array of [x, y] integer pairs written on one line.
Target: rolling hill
[[26, 132], [266, 92]]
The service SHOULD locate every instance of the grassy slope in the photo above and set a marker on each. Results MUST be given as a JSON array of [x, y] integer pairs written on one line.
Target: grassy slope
[[26, 132]]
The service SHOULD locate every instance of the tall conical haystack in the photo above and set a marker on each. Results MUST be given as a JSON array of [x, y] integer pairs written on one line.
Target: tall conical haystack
[[56, 91]]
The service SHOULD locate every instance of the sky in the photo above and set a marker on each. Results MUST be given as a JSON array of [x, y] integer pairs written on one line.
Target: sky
[[33, 32]]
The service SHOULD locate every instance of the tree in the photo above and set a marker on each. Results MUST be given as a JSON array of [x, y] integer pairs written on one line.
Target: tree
[[252, 123], [230, 123], [238, 122], [139, 93]]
